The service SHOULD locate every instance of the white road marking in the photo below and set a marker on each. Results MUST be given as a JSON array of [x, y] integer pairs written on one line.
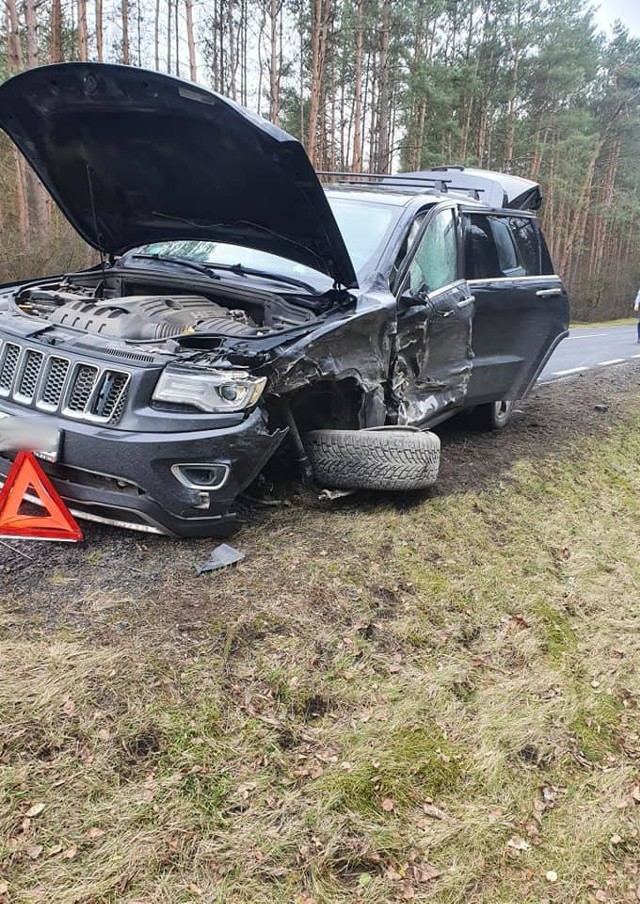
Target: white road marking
[[607, 363], [635, 356], [572, 370], [589, 336]]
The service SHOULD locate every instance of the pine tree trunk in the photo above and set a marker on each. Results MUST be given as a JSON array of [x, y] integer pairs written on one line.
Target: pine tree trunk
[[99, 32], [14, 47], [169, 21], [37, 207], [356, 162], [274, 65], [176, 15], [316, 76], [513, 94], [83, 37], [126, 53], [191, 43], [55, 43], [383, 95]]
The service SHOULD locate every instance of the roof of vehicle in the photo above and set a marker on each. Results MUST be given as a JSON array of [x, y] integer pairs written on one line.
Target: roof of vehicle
[[482, 188], [381, 194]]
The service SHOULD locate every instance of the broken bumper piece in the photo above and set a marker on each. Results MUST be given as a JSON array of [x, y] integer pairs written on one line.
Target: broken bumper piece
[[181, 484]]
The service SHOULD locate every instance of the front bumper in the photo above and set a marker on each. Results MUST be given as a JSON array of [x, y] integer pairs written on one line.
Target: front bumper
[[125, 478]]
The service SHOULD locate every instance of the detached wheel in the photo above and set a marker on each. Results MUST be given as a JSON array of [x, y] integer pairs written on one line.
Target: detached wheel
[[386, 459], [492, 416]]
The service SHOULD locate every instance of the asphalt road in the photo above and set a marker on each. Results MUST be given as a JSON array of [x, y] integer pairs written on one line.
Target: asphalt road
[[587, 348]]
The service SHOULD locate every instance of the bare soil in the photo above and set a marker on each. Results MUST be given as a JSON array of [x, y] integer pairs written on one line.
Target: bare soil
[[118, 582]]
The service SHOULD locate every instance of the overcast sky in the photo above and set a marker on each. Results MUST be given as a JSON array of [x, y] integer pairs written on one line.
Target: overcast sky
[[626, 10]]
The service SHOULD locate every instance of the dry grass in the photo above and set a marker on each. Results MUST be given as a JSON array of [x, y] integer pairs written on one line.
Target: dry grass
[[436, 703]]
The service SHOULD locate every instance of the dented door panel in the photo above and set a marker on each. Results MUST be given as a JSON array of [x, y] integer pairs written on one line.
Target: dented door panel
[[433, 359]]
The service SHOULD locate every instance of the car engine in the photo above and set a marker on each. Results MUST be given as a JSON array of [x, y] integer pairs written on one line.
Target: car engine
[[135, 317]]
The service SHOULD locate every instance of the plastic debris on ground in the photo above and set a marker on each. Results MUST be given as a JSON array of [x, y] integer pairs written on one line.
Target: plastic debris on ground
[[221, 557]]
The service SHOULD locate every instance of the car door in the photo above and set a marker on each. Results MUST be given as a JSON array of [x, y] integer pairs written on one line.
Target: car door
[[522, 309], [433, 358]]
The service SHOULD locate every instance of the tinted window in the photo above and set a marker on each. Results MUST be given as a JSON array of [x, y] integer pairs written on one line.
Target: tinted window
[[435, 263], [480, 249], [500, 246], [507, 256], [526, 239]]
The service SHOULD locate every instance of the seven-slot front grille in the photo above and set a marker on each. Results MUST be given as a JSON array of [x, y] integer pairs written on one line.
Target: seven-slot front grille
[[52, 383]]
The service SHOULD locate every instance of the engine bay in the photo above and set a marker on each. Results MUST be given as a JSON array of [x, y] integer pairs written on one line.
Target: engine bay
[[144, 312]]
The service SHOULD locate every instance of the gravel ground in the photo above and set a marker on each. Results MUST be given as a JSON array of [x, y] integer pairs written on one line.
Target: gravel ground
[[117, 580]]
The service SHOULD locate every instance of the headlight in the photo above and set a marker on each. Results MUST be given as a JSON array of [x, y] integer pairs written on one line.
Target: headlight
[[209, 390]]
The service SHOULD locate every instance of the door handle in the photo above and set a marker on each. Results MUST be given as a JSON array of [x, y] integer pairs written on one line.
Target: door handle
[[466, 302], [548, 293]]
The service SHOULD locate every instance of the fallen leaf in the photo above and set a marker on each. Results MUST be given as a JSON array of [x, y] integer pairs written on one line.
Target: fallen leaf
[[193, 888], [69, 707], [425, 872], [551, 876], [615, 839], [393, 874], [4, 888], [34, 810], [35, 851], [408, 892], [95, 832], [600, 895], [364, 879], [52, 851], [388, 805], [70, 853]]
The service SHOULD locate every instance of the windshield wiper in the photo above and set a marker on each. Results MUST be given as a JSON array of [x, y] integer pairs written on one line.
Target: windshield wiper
[[237, 269], [191, 265], [241, 270]]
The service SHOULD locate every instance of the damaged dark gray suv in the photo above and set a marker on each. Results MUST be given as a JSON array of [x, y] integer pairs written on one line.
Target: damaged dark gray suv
[[241, 309]]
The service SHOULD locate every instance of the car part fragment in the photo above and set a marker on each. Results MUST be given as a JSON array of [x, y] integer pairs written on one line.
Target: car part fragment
[[221, 557]]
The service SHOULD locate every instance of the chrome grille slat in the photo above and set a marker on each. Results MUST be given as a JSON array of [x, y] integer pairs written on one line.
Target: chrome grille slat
[[83, 382], [29, 375], [54, 384], [8, 365]]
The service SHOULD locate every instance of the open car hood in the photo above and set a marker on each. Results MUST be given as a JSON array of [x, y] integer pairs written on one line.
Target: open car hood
[[495, 189], [133, 157]]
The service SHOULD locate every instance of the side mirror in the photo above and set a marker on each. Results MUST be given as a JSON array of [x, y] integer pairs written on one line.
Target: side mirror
[[410, 299]]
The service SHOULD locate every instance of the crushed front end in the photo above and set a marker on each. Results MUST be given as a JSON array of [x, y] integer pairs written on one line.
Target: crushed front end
[[151, 436]]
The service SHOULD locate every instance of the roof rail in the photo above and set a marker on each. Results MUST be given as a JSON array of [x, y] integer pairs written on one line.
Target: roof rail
[[390, 181]]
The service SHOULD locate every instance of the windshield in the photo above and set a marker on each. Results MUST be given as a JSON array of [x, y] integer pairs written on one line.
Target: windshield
[[363, 226]]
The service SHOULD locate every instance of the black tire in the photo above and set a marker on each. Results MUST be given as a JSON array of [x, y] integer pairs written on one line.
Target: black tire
[[492, 415], [387, 459]]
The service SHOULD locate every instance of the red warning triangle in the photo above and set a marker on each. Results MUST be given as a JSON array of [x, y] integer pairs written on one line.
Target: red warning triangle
[[58, 524]]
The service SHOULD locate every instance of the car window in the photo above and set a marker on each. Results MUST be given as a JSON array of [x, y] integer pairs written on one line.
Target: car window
[[526, 239], [496, 247], [508, 262], [481, 254], [435, 262], [364, 227], [406, 246]]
